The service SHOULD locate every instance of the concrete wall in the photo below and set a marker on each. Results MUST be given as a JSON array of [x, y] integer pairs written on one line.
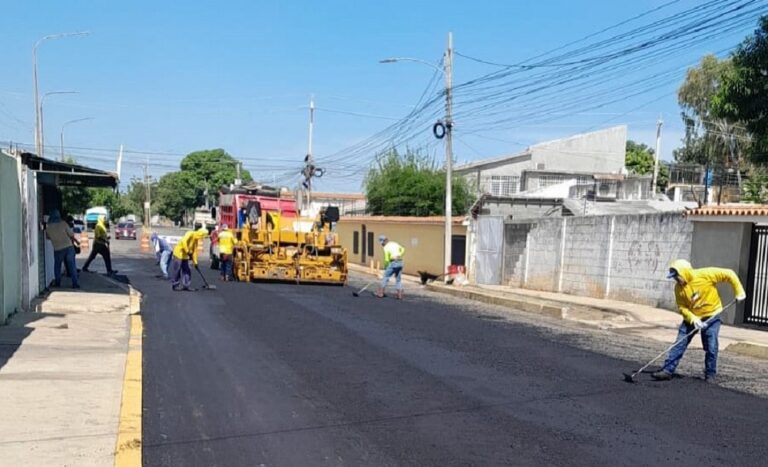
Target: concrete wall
[[598, 151], [10, 237], [616, 257], [423, 241], [725, 245]]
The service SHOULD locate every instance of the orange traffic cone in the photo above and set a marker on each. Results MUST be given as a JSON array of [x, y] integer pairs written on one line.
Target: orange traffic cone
[[145, 243]]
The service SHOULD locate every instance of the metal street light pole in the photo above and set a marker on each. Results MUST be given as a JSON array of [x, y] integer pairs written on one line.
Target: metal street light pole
[[61, 135], [447, 71], [41, 152], [38, 123]]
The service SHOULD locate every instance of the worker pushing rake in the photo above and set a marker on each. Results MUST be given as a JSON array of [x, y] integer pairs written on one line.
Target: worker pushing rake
[[699, 303]]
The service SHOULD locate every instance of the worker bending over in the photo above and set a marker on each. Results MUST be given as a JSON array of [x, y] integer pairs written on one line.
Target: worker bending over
[[393, 265], [183, 252]]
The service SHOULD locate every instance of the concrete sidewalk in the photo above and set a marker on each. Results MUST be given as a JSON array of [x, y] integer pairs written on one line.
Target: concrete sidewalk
[[621, 317], [61, 376]]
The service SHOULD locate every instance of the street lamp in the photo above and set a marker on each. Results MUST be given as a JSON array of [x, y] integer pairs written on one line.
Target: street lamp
[[61, 135], [42, 125], [447, 71], [38, 122]]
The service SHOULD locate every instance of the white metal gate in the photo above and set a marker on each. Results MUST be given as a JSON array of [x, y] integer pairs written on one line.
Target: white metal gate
[[489, 255]]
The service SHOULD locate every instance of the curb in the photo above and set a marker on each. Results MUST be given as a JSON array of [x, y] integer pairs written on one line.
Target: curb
[[529, 306], [748, 349]]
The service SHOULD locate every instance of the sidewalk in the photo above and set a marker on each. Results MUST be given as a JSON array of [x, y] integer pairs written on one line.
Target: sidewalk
[[61, 376], [620, 317]]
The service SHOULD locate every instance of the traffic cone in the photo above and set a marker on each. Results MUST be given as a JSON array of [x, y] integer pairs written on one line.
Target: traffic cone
[[145, 242]]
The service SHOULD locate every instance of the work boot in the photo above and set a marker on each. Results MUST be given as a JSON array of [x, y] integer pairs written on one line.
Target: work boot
[[662, 375], [710, 378]]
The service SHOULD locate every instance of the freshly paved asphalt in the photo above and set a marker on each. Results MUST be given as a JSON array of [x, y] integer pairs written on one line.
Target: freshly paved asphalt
[[279, 374]]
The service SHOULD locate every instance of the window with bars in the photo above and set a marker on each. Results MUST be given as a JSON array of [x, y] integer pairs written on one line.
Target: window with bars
[[504, 185], [549, 180]]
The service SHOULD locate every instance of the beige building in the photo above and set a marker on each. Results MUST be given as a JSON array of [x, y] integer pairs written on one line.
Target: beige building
[[422, 238]]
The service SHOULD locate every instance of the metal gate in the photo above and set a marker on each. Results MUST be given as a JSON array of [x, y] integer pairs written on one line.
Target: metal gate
[[490, 241], [757, 285]]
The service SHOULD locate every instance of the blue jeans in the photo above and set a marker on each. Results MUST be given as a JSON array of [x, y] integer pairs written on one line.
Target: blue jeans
[[67, 257], [181, 274], [165, 262], [226, 265], [395, 268], [709, 340]]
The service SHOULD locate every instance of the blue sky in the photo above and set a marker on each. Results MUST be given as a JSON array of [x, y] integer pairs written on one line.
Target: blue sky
[[169, 77]]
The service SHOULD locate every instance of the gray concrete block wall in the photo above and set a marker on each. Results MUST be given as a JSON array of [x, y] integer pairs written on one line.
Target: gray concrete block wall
[[640, 250], [515, 241], [586, 253], [544, 255]]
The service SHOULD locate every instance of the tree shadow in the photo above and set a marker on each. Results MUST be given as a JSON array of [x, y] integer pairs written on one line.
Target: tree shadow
[[18, 328]]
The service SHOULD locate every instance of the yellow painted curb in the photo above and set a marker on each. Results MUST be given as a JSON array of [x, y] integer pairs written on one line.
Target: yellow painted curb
[[128, 446]]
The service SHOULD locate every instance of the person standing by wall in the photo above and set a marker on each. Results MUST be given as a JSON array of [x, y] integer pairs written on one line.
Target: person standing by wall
[[63, 240], [393, 264], [184, 252], [100, 246], [226, 249], [699, 303]]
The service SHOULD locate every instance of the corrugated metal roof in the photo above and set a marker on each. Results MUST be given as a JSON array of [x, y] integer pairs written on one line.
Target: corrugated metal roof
[[731, 210]]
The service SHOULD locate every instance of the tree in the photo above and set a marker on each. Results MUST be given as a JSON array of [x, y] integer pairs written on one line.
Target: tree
[[110, 199], [176, 194], [743, 95], [756, 187], [709, 138], [640, 161], [136, 195], [210, 170], [412, 185]]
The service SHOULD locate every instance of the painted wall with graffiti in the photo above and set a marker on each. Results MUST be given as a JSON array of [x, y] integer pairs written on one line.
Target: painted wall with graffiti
[[616, 257]]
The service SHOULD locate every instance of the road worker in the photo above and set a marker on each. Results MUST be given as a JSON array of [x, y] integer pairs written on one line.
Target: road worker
[[699, 303], [226, 249], [184, 252], [393, 265]]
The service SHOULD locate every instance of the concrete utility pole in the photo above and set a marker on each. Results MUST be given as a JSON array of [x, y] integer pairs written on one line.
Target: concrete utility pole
[[38, 118], [119, 165], [659, 124], [309, 161], [447, 71], [448, 64], [146, 193]]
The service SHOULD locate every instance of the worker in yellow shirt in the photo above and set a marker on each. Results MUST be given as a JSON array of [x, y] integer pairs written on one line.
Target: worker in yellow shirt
[[184, 252], [393, 266], [699, 303], [100, 246], [226, 249]]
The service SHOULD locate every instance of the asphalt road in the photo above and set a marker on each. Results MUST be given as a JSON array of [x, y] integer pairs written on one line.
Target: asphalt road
[[286, 375]]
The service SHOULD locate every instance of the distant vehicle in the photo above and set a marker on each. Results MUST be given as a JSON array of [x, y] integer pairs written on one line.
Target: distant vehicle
[[79, 226], [125, 230], [92, 216]]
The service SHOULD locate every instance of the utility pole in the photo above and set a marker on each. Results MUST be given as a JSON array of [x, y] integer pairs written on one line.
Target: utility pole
[[448, 64], [238, 180], [146, 193], [309, 161], [659, 124], [119, 165]]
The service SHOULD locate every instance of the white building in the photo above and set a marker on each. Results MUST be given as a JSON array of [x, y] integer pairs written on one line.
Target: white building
[[578, 157]]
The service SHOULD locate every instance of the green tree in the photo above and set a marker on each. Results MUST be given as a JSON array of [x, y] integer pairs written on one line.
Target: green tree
[[136, 195], [743, 95], [411, 185], [110, 199], [640, 160], [709, 138], [176, 193], [209, 170]]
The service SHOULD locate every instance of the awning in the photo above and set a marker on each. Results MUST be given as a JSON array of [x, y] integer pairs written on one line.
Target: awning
[[57, 173]]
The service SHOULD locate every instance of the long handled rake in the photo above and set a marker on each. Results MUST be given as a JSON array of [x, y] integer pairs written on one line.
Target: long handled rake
[[630, 377]]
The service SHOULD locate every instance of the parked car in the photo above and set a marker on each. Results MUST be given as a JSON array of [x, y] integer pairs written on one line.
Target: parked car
[[125, 230]]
